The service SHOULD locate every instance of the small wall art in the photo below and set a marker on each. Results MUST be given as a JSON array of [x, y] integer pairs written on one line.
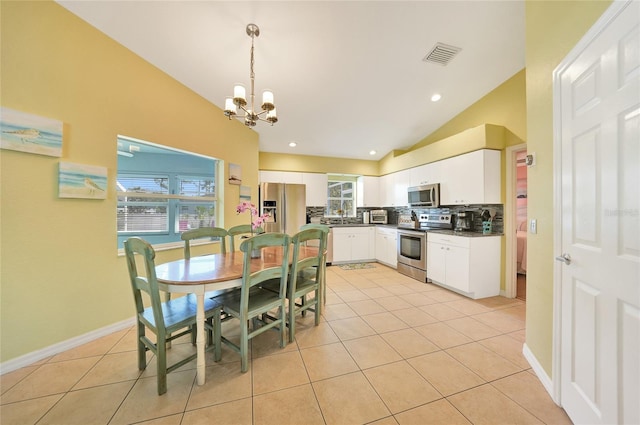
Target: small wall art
[[245, 193], [30, 133], [235, 174], [82, 181]]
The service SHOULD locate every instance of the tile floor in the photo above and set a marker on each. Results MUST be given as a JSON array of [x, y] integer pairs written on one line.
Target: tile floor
[[389, 351]]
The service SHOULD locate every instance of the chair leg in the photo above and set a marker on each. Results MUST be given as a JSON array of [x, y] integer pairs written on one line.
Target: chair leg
[[161, 360], [217, 335], [244, 345], [283, 325], [292, 319], [142, 349], [317, 307]]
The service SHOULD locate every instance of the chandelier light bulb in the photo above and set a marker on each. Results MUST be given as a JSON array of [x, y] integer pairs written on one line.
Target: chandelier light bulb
[[267, 100], [230, 107]]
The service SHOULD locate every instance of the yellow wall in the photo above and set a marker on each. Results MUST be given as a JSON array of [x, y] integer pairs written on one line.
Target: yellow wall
[[553, 28], [60, 275], [317, 164]]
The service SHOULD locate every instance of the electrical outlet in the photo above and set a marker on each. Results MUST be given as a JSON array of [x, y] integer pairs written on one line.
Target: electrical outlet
[[533, 226]]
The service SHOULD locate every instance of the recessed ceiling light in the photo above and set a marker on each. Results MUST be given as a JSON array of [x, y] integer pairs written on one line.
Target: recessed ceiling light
[[436, 97], [372, 152], [293, 144]]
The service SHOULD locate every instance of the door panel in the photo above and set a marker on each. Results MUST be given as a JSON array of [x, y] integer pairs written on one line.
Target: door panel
[[599, 133]]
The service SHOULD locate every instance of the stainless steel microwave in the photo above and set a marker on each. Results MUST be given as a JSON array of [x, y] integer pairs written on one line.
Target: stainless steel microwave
[[427, 195]]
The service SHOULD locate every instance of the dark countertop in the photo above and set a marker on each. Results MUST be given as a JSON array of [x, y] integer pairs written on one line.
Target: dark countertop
[[440, 231]]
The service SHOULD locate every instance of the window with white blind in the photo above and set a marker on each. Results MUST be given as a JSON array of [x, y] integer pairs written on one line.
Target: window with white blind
[[163, 192]]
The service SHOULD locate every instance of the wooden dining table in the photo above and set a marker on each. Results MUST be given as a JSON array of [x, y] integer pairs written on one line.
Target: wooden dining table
[[199, 275]]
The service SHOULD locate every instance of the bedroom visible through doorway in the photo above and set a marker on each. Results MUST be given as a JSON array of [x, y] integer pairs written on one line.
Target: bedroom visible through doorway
[[521, 225]]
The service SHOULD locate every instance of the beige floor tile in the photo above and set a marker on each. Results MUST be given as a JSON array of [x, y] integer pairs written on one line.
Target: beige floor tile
[[363, 283], [268, 343], [50, 378], [472, 328], [487, 405], [349, 399], [127, 342], [526, 390], [237, 412], [338, 287], [390, 420], [443, 335], [393, 303], [277, 372], [88, 406], [292, 406], [501, 321], [400, 386], [398, 289], [409, 343], [418, 299], [439, 412], [484, 362], [414, 317], [520, 336], [337, 312], [110, 369], [349, 296], [445, 373], [328, 361], [442, 311], [167, 420], [224, 382], [371, 351], [351, 328], [384, 322], [9, 379], [499, 302], [507, 347], [143, 402], [443, 295], [97, 347], [366, 307], [376, 292], [468, 307], [332, 298], [27, 412], [309, 335]]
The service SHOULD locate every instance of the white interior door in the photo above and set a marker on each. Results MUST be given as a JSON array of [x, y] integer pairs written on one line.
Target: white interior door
[[597, 109]]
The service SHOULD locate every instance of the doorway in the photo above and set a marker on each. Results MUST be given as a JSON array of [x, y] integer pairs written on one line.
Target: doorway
[[521, 224], [515, 222]]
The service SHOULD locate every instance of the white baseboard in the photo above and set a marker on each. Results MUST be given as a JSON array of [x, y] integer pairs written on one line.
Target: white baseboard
[[546, 381], [52, 350]]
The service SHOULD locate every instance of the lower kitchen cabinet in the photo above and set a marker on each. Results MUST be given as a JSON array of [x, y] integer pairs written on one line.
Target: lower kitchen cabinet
[[467, 265], [386, 246], [351, 244]]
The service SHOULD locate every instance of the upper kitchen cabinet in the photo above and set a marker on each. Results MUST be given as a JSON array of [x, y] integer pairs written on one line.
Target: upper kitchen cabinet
[[393, 189], [316, 189], [472, 178], [425, 174], [368, 192], [280, 177]]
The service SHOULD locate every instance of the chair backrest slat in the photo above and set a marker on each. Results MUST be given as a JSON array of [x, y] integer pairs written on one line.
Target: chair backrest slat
[[204, 232], [250, 279]]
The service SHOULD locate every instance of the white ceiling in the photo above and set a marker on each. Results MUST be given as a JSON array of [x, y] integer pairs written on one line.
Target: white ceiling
[[348, 76]]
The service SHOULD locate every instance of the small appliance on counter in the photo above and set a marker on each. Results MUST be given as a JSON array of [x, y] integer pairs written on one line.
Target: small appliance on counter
[[464, 221], [378, 217], [366, 217]]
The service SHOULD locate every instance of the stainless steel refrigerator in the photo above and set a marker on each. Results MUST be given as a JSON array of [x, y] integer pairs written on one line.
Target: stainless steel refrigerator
[[286, 205]]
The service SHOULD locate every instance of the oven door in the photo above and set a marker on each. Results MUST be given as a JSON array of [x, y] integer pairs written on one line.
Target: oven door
[[412, 249]]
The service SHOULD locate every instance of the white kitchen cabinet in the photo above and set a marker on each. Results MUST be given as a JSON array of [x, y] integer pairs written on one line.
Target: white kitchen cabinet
[[467, 265], [386, 246], [280, 177], [393, 189], [472, 178], [368, 191], [386, 190], [352, 244], [316, 189], [425, 174]]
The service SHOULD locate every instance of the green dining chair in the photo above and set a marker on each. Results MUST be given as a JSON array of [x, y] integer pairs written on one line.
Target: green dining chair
[[204, 232], [323, 276], [241, 230], [167, 320], [250, 301], [305, 277]]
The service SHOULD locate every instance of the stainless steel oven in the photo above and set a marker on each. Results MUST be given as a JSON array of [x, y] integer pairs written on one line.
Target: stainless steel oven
[[412, 253]]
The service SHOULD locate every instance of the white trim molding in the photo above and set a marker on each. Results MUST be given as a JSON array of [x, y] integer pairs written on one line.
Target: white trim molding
[[52, 350], [545, 379]]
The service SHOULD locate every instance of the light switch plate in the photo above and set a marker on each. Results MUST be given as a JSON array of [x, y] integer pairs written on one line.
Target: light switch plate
[[530, 160], [533, 226]]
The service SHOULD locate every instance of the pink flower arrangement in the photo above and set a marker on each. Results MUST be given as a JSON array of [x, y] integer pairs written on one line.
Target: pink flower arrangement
[[259, 219]]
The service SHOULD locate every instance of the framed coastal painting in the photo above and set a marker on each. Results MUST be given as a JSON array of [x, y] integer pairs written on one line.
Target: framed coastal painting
[[245, 193], [235, 174], [30, 133], [82, 181]]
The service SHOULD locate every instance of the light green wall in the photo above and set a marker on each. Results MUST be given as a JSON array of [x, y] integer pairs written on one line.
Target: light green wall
[[552, 29], [60, 275]]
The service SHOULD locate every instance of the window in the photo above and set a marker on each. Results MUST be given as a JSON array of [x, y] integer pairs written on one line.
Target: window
[[340, 198], [163, 192]]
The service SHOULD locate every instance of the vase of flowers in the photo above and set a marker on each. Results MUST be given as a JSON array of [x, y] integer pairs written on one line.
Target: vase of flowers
[[256, 221]]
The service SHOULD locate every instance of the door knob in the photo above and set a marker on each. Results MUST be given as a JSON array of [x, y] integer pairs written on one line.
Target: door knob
[[565, 258]]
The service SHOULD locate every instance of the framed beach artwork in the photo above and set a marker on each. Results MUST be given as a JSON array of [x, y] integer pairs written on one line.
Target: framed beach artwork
[[82, 181], [30, 133], [245, 193], [235, 174]]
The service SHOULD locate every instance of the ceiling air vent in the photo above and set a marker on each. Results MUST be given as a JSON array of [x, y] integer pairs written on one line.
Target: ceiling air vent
[[441, 54]]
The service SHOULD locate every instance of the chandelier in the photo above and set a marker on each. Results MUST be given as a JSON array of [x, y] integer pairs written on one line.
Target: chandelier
[[239, 98]]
